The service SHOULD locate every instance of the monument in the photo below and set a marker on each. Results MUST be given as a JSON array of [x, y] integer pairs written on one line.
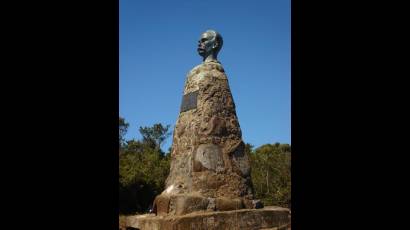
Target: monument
[[209, 185]]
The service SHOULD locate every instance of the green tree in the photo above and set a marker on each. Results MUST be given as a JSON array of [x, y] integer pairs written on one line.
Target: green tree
[[144, 169], [142, 174], [123, 128], [155, 135], [271, 173]]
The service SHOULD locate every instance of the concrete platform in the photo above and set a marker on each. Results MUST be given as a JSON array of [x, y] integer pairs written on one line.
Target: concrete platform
[[244, 219]]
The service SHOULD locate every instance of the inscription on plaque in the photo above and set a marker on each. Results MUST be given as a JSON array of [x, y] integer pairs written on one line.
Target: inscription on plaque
[[189, 101]]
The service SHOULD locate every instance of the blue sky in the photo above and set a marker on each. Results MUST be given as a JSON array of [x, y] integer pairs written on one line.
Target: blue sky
[[158, 41]]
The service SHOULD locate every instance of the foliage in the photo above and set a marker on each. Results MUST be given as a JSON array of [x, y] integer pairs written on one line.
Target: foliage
[[155, 135], [144, 168], [271, 174], [123, 130], [142, 174]]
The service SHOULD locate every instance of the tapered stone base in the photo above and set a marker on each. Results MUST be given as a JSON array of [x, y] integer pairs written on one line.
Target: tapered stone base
[[244, 219]]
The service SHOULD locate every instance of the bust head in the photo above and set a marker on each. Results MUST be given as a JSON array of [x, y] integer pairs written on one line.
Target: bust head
[[209, 45]]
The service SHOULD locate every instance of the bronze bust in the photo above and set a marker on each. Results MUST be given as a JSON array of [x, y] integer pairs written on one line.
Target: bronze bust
[[209, 45]]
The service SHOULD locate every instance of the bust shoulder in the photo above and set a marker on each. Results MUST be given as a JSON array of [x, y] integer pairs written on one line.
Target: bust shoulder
[[206, 66]]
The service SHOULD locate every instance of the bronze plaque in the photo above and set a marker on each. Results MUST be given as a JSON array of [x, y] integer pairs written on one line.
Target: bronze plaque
[[189, 101]]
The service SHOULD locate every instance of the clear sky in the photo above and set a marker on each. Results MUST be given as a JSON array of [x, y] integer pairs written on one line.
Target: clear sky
[[158, 41]]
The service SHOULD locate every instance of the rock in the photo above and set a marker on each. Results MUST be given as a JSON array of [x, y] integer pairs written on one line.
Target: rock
[[186, 204], [161, 205], [208, 157], [226, 204]]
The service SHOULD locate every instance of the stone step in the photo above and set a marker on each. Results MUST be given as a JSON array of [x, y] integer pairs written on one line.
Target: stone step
[[245, 219]]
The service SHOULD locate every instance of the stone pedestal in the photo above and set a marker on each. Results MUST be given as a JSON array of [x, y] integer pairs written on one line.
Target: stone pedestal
[[245, 219], [209, 167]]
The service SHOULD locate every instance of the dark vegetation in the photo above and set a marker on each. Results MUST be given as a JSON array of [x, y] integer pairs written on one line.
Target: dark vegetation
[[144, 168]]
